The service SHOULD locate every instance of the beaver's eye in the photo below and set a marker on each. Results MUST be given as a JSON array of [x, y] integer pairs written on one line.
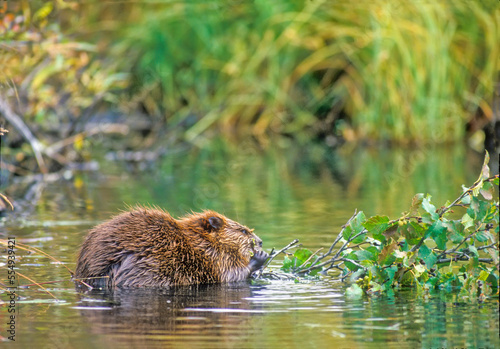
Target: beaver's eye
[[244, 231]]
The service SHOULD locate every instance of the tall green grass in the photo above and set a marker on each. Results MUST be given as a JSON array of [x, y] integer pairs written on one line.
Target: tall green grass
[[408, 71]]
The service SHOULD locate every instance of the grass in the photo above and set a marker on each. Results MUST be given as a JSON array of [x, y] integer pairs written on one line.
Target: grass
[[408, 72], [412, 72]]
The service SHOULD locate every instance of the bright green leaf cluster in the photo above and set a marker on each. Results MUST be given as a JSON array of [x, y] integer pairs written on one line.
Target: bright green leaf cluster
[[427, 247], [432, 248], [302, 258]]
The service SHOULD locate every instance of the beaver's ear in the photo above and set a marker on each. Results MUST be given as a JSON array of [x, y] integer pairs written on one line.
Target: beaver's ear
[[215, 223]]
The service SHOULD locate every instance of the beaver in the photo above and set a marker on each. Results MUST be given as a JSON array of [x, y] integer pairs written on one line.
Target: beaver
[[148, 247]]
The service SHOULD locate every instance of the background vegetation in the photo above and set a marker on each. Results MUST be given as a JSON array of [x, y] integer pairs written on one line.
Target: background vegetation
[[406, 72]]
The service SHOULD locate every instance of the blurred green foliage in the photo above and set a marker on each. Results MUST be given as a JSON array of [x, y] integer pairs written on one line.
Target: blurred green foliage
[[410, 72]]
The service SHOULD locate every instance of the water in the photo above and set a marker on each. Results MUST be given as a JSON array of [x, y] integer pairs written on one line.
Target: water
[[284, 193]]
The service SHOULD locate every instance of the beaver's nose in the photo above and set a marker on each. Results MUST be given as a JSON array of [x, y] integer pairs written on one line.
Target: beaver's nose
[[258, 242]]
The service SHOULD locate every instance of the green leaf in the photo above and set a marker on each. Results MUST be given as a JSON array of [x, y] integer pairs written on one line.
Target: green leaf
[[347, 233], [466, 199], [365, 255], [492, 279], [376, 225], [438, 232], [373, 224], [287, 264], [473, 249], [302, 254], [359, 239], [480, 210], [427, 255], [391, 271], [455, 230], [467, 221], [483, 275], [405, 247], [299, 257], [433, 281], [412, 232], [349, 265], [430, 209], [357, 222], [386, 253], [357, 227], [455, 237], [482, 236]]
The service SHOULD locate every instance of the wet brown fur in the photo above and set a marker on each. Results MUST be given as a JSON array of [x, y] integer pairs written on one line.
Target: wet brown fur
[[147, 247]]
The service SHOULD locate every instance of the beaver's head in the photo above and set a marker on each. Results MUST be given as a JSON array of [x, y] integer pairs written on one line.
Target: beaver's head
[[228, 236]]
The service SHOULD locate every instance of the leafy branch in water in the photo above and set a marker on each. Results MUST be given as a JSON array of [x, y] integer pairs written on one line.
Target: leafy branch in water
[[427, 247]]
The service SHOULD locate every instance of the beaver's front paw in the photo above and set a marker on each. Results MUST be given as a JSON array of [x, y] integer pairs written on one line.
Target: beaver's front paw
[[258, 260]]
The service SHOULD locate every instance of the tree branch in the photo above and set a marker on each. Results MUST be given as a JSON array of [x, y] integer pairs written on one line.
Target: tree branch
[[16, 121]]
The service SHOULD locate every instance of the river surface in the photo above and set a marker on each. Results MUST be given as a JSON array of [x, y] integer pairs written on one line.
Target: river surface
[[285, 192]]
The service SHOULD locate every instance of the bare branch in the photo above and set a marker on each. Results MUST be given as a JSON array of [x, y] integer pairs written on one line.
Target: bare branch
[[464, 257], [16, 121]]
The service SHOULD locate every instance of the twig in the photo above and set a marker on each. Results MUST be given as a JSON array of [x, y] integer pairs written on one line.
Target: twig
[[487, 246], [279, 275], [444, 253], [340, 235], [287, 247], [43, 283], [19, 124], [307, 260], [7, 201], [339, 251], [37, 284], [84, 283], [273, 255], [334, 258], [353, 262], [464, 257], [112, 128], [25, 247], [454, 203]]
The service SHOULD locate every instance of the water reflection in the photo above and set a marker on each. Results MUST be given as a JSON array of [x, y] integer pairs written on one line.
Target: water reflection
[[426, 321], [220, 313], [287, 314]]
